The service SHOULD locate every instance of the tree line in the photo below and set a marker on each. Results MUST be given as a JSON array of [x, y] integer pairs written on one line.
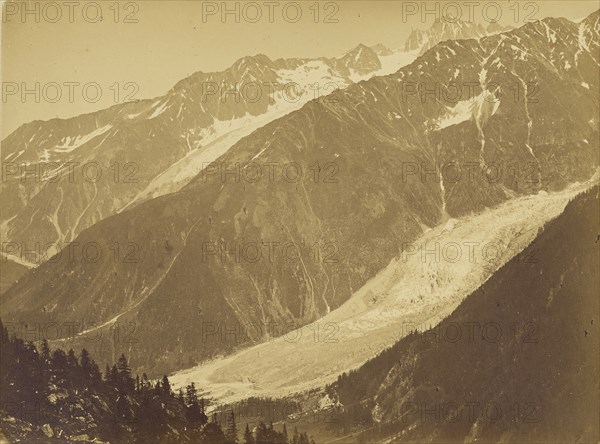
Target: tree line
[[63, 395]]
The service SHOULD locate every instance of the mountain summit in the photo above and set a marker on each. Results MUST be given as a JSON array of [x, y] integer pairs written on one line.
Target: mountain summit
[[421, 40]]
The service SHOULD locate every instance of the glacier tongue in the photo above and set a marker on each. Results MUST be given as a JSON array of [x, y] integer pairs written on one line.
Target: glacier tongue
[[311, 80], [225, 135], [416, 290]]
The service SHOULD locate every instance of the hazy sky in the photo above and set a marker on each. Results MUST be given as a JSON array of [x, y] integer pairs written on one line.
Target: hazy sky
[[153, 44]]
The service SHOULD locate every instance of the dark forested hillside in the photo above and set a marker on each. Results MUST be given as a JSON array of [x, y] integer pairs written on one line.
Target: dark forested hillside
[[53, 396], [517, 361], [11, 272]]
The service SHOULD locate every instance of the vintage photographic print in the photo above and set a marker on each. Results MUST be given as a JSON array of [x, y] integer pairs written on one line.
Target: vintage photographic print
[[300, 222]]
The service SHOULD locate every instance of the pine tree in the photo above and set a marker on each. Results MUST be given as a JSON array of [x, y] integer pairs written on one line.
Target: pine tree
[[262, 434], [89, 366], [193, 412], [44, 350], [303, 439], [212, 433], [231, 432], [124, 378], [248, 438], [95, 373], [113, 377], [72, 359], [123, 366], [191, 397], [166, 385], [59, 361], [85, 361], [5, 335], [295, 438]]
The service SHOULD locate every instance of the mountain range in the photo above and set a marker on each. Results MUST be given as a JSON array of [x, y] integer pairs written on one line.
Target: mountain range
[[527, 103], [421, 40], [63, 175]]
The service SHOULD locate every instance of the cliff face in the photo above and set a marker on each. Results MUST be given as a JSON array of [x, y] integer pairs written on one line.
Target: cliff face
[[421, 40]]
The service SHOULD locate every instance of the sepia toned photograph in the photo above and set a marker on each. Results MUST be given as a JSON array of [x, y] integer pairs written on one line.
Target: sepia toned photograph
[[300, 222]]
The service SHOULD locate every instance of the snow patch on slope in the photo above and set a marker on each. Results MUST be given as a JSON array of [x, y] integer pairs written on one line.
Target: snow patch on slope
[[158, 111], [17, 259], [310, 73], [68, 144], [393, 62], [461, 112], [482, 106]]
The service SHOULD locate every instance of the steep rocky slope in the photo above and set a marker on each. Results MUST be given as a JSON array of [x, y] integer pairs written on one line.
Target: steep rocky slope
[[517, 361], [421, 40], [11, 272], [63, 175]]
